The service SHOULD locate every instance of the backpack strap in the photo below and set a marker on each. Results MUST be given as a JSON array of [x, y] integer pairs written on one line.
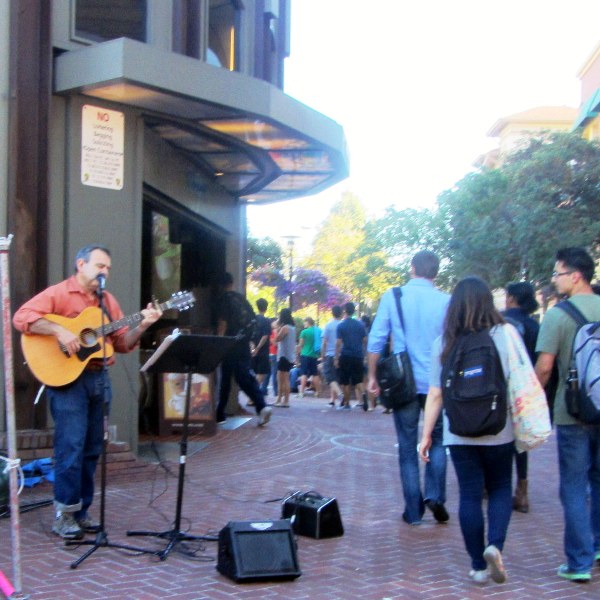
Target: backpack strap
[[578, 317], [573, 312], [397, 296]]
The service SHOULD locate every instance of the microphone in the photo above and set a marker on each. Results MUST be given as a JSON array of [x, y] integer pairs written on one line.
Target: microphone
[[101, 277]]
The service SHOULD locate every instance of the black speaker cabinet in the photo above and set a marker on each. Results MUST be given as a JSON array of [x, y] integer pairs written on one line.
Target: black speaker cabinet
[[313, 515], [258, 550]]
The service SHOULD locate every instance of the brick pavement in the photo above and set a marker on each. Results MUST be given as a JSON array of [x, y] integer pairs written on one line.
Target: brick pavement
[[234, 475]]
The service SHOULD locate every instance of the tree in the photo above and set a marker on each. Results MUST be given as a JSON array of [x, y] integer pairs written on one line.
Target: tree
[[400, 234], [341, 251], [506, 224], [263, 252]]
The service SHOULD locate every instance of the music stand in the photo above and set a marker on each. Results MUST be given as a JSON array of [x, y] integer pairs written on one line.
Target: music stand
[[185, 354]]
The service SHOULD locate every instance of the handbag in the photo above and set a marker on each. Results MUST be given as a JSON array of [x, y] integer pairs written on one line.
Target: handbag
[[394, 372], [527, 399]]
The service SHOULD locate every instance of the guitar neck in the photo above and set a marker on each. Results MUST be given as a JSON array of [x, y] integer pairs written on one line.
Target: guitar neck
[[128, 321]]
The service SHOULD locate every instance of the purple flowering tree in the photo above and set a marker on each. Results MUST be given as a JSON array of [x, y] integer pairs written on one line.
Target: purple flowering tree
[[307, 287]]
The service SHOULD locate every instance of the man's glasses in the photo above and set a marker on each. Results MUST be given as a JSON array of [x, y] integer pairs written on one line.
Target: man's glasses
[[556, 274]]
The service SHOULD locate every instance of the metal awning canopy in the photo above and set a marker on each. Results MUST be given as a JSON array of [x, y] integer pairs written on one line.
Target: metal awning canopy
[[588, 111], [255, 141]]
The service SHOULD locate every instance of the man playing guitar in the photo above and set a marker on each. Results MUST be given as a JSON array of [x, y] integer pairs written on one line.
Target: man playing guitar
[[77, 407]]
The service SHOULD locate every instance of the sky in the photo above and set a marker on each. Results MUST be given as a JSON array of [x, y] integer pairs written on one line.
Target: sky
[[417, 85]]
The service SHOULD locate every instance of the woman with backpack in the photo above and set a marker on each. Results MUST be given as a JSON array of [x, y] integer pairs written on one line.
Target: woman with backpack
[[469, 360], [520, 304]]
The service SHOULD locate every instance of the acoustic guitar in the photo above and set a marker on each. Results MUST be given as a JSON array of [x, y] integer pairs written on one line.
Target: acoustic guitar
[[49, 362]]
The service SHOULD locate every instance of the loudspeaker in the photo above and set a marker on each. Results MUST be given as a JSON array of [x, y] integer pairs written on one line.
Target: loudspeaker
[[313, 515], [258, 550]]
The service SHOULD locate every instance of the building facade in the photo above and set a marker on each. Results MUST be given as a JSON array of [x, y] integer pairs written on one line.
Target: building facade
[[147, 126]]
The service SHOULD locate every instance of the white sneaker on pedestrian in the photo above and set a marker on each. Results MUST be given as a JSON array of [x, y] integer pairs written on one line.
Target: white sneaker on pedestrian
[[479, 577], [264, 416], [493, 558]]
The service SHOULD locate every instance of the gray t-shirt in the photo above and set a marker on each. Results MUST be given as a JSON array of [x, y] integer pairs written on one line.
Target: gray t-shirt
[[435, 380], [287, 346]]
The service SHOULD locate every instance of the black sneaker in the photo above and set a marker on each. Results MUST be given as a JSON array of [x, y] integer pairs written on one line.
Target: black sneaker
[[440, 514]]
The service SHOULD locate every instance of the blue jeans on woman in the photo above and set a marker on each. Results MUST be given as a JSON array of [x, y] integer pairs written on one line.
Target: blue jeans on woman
[[78, 413], [579, 469], [479, 467], [406, 420]]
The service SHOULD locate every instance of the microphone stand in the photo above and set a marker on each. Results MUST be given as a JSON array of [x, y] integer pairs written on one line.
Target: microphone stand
[[101, 540]]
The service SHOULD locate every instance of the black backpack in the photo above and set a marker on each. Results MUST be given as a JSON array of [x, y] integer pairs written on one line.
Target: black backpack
[[242, 319], [474, 387]]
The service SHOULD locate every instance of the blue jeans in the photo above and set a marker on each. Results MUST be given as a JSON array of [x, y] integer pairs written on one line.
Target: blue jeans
[[579, 470], [479, 467], [77, 410], [406, 420]]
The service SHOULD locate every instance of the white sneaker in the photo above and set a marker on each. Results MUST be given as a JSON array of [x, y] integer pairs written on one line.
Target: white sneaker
[[479, 577], [493, 558], [264, 416]]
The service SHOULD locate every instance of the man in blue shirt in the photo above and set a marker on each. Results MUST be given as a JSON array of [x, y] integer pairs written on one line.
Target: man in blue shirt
[[423, 309], [350, 354]]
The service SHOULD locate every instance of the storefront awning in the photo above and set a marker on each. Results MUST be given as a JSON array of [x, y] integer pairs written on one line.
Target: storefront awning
[[588, 111], [255, 141]]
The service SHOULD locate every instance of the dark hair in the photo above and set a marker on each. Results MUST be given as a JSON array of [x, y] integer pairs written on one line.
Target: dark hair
[[262, 305], [225, 279], [579, 260], [285, 317], [366, 319], [349, 308], [426, 264], [310, 321], [471, 308], [596, 288], [524, 294], [336, 311], [86, 251]]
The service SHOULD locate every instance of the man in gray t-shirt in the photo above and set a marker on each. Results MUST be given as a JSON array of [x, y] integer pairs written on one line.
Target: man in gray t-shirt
[[578, 444]]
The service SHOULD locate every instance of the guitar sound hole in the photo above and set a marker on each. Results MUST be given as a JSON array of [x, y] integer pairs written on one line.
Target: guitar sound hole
[[87, 337]]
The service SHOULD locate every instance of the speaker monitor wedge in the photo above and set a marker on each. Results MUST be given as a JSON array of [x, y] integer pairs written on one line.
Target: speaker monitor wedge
[[313, 515], [258, 550]]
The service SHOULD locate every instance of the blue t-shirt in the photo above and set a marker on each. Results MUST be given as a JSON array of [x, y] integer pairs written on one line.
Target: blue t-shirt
[[352, 333]]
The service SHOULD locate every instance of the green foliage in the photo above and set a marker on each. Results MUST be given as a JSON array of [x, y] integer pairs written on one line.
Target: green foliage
[[264, 252], [342, 251], [506, 224]]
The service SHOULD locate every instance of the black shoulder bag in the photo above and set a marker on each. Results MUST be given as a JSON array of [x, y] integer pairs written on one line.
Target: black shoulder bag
[[394, 372]]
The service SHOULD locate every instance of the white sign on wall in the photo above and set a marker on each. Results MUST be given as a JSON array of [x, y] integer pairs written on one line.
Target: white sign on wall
[[102, 147]]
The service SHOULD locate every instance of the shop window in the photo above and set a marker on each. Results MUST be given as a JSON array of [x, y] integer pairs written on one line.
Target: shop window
[[223, 32], [101, 20], [186, 27], [166, 259]]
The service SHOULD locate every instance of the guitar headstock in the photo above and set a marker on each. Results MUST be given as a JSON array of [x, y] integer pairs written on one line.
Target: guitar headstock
[[180, 301]]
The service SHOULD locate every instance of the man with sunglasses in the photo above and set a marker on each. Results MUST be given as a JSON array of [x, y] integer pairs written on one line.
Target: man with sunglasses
[[578, 444]]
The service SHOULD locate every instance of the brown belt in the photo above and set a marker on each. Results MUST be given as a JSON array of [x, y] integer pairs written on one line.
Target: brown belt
[[94, 366]]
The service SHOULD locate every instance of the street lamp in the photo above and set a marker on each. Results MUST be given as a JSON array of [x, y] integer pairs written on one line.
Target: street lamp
[[290, 242]]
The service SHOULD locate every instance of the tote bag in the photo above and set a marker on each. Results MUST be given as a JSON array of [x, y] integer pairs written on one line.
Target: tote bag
[[527, 400]]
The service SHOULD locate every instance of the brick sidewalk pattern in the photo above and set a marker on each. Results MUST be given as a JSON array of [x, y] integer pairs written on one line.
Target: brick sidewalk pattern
[[235, 476]]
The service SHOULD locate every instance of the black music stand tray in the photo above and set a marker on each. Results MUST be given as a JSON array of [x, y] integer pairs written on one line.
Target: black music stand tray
[[189, 354]]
